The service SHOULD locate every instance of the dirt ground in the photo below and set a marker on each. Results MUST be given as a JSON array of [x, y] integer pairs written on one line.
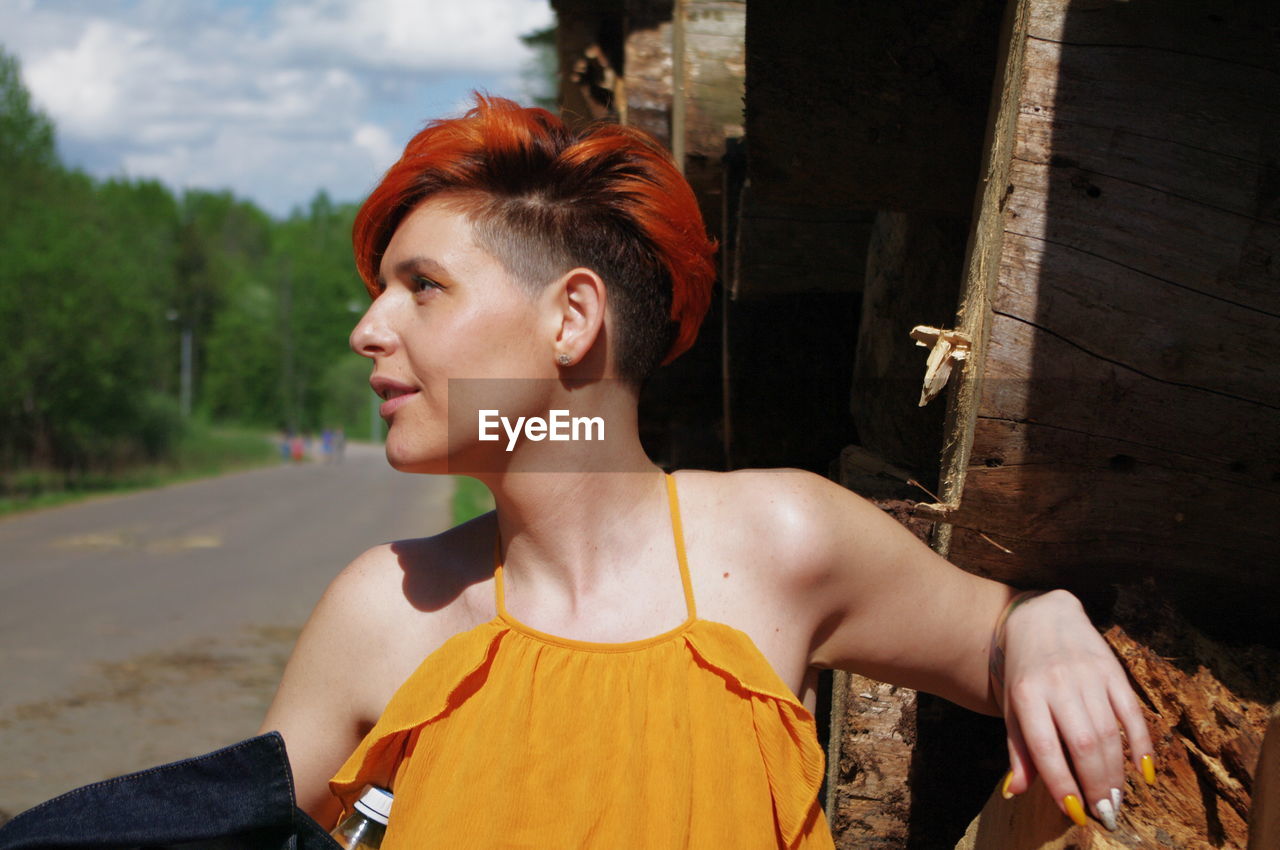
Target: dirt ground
[[150, 709]]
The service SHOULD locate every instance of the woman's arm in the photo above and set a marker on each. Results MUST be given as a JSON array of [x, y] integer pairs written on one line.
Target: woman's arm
[[893, 609], [317, 707]]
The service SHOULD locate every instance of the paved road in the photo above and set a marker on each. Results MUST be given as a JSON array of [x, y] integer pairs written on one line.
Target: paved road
[[145, 628]]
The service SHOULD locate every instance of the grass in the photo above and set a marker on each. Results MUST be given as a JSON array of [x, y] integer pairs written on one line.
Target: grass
[[470, 499], [204, 450]]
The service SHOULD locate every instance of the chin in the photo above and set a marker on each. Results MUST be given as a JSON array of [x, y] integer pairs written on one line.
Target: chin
[[419, 459]]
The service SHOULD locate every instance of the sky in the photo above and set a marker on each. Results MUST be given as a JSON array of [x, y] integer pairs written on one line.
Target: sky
[[272, 99]]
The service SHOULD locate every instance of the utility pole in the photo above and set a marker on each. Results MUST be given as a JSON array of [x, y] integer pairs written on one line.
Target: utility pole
[[185, 356], [184, 392]]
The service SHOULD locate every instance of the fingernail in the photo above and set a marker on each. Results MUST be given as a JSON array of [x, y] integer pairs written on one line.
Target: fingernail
[[1106, 814], [1004, 786], [1117, 797], [1149, 769], [1075, 811]]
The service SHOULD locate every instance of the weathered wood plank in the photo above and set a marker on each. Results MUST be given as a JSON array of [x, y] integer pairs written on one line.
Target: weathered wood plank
[[1073, 488], [1130, 412], [1241, 32], [649, 70], [1009, 443], [1216, 107], [1081, 510], [1221, 254], [1037, 376], [982, 261], [1216, 180], [871, 801], [1168, 333], [709, 99]]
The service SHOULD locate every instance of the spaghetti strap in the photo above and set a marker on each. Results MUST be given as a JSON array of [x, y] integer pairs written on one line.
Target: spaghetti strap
[[500, 598], [677, 530]]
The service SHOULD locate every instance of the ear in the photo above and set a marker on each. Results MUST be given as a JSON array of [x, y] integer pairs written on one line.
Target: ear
[[576, 303]]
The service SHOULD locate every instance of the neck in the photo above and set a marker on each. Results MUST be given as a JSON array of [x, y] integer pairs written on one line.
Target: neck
[[566, 532]]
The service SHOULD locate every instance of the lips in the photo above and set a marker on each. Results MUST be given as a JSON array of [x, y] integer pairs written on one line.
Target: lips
[[394, 392]]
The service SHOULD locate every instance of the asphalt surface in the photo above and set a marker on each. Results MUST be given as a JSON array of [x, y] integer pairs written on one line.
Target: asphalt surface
[[146, 628]]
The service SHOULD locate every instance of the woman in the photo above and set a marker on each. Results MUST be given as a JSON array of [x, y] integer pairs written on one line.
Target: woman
[[615, 656]]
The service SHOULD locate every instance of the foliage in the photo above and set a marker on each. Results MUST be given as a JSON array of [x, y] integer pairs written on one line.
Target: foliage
[[541, 74], [99, 281], [470, 499]]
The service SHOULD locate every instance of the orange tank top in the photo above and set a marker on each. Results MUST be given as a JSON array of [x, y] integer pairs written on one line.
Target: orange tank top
[[508, 737]]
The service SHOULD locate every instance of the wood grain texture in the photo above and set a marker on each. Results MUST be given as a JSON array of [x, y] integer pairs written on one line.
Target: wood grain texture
[[1169, 334], [1129, 417], [1192, 245], [1238, 32], [982, 262]]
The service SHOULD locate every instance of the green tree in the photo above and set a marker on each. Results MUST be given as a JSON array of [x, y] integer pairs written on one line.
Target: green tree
[[541, 74], [100, 279], [84, 268], [26, 134]]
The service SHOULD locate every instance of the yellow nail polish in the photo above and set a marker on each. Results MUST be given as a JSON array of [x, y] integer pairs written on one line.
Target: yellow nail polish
[[1004, 786], [1149, 769], [1075, 811]]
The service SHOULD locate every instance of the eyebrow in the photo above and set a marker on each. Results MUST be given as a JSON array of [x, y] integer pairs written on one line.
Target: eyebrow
[[416, 264]]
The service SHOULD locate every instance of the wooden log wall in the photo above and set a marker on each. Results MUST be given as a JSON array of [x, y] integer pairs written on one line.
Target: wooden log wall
[[1129, 415]]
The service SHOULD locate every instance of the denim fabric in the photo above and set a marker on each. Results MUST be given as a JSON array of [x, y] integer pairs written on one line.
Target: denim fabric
[[236, 798]]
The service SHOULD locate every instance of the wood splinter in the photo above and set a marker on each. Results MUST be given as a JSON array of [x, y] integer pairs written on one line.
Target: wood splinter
[[946, 347]]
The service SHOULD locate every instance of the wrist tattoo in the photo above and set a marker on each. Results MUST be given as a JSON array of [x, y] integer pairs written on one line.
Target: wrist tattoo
[[996, 655]]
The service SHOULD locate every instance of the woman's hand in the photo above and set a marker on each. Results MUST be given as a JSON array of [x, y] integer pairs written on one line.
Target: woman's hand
[[1058, 684]]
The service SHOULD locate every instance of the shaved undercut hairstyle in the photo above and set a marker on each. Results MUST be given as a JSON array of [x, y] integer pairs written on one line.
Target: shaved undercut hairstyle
[[543, 199]]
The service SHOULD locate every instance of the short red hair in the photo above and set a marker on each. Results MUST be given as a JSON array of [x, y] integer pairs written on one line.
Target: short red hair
[[544, 199]]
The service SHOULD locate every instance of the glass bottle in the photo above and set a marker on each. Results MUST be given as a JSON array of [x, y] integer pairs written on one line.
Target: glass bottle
[[363, 828]]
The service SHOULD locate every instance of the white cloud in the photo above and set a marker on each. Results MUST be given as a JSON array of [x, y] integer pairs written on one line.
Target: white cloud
[[81, 85], [375, 141], [478, 35], [273, 101]]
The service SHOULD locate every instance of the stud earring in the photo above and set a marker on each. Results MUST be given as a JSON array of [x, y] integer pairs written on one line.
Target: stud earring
[[563, 359]]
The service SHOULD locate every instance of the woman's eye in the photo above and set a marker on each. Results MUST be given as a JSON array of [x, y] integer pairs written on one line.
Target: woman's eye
[[425, 284]]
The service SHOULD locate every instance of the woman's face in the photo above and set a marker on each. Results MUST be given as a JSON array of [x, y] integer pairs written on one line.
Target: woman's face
[[447, 309]]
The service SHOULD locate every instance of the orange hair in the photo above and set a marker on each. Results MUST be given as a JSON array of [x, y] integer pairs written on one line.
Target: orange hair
[[544, 199]]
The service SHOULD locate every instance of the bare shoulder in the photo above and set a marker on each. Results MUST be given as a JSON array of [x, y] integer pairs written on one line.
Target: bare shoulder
[[396, 602], [798, 519], [379, 617]]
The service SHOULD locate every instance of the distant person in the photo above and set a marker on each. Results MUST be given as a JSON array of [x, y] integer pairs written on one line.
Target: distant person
[[298, 450], [619, 656], [339, 444], [326, 445]]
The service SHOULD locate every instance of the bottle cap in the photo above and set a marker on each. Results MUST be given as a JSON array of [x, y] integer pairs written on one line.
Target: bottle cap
[[376, 804]]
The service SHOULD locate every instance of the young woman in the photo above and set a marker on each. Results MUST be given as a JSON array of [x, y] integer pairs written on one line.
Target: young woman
[[616, 656]]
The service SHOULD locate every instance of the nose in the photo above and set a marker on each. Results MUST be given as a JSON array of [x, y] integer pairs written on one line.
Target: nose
[[373, 335]]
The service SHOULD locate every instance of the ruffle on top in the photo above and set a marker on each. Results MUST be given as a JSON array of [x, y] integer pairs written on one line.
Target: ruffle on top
[[506, 737]]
